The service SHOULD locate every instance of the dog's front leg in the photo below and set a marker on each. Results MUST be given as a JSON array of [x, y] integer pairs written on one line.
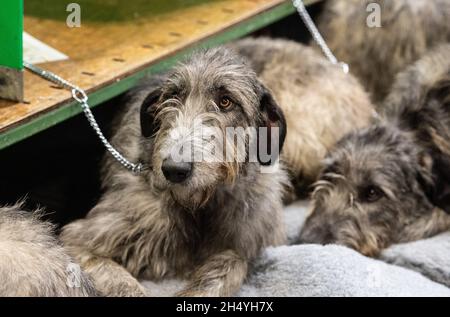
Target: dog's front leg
[[110, 278], [221, 275]]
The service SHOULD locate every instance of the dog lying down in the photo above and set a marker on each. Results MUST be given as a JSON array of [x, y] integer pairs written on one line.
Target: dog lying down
[[32, 263], [208, 219], [389, 183]]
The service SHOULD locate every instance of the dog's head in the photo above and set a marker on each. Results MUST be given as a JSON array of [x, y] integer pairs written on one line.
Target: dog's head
[[198, 126], [374, 190]]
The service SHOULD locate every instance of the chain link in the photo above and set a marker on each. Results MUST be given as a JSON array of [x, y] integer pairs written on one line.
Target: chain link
[[301, 9], [81, 97]]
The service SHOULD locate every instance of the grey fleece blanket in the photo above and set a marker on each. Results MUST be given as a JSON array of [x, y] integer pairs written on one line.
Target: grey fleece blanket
[[420, 268]]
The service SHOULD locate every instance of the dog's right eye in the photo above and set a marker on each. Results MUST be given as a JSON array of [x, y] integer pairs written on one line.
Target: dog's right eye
[[371, 194], [226, 103]]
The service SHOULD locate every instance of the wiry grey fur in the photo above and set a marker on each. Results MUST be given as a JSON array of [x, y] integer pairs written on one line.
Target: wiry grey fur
[[409, 28], [390, 183], [208, 228], [32, 263]]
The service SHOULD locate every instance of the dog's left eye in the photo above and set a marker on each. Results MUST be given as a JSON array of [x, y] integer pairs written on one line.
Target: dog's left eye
[[371, 194], [226, 103]]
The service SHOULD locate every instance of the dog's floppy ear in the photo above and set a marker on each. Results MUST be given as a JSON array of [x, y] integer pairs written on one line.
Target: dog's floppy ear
[[148, 124], [441, 172], [439, 96], [424, 175], [271, 117], [434, 179]]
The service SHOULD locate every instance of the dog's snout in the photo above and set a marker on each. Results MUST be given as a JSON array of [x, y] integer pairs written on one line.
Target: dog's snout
[[176, 172]]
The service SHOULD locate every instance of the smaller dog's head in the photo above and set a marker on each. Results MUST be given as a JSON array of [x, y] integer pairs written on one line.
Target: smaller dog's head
[[197, 126], [374, 190]]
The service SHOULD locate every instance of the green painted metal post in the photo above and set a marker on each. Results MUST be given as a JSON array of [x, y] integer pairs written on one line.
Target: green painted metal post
[[11, 50]]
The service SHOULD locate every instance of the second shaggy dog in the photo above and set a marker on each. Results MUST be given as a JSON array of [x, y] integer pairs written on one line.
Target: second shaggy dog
[[408, 29], [389, 183]]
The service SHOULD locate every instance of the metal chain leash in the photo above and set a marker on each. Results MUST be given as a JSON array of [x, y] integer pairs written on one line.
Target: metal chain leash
[[81, 97], [307, 20]]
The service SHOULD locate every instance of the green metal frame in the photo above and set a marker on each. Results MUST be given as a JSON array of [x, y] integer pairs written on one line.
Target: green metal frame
[[51, 118], [11, 28]]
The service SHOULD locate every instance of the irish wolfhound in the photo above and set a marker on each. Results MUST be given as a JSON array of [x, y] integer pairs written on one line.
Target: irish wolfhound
[[32, 263], [201, 219], [389, 183], [377, 52], [320, 102]]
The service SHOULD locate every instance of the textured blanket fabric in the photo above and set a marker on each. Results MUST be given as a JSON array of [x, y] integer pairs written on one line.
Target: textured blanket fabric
[[312, 270], [420, 268], [431, 257]]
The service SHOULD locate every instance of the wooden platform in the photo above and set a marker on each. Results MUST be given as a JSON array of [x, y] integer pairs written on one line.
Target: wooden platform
[[119, 43]]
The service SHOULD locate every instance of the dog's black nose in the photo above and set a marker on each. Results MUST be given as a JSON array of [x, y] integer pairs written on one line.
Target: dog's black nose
[[176, 172]]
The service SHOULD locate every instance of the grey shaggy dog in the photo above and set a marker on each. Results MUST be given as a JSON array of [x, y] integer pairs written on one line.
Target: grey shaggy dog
[[32, 263], [390, 183], [320, 102], [205, 221], [409, 28]]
